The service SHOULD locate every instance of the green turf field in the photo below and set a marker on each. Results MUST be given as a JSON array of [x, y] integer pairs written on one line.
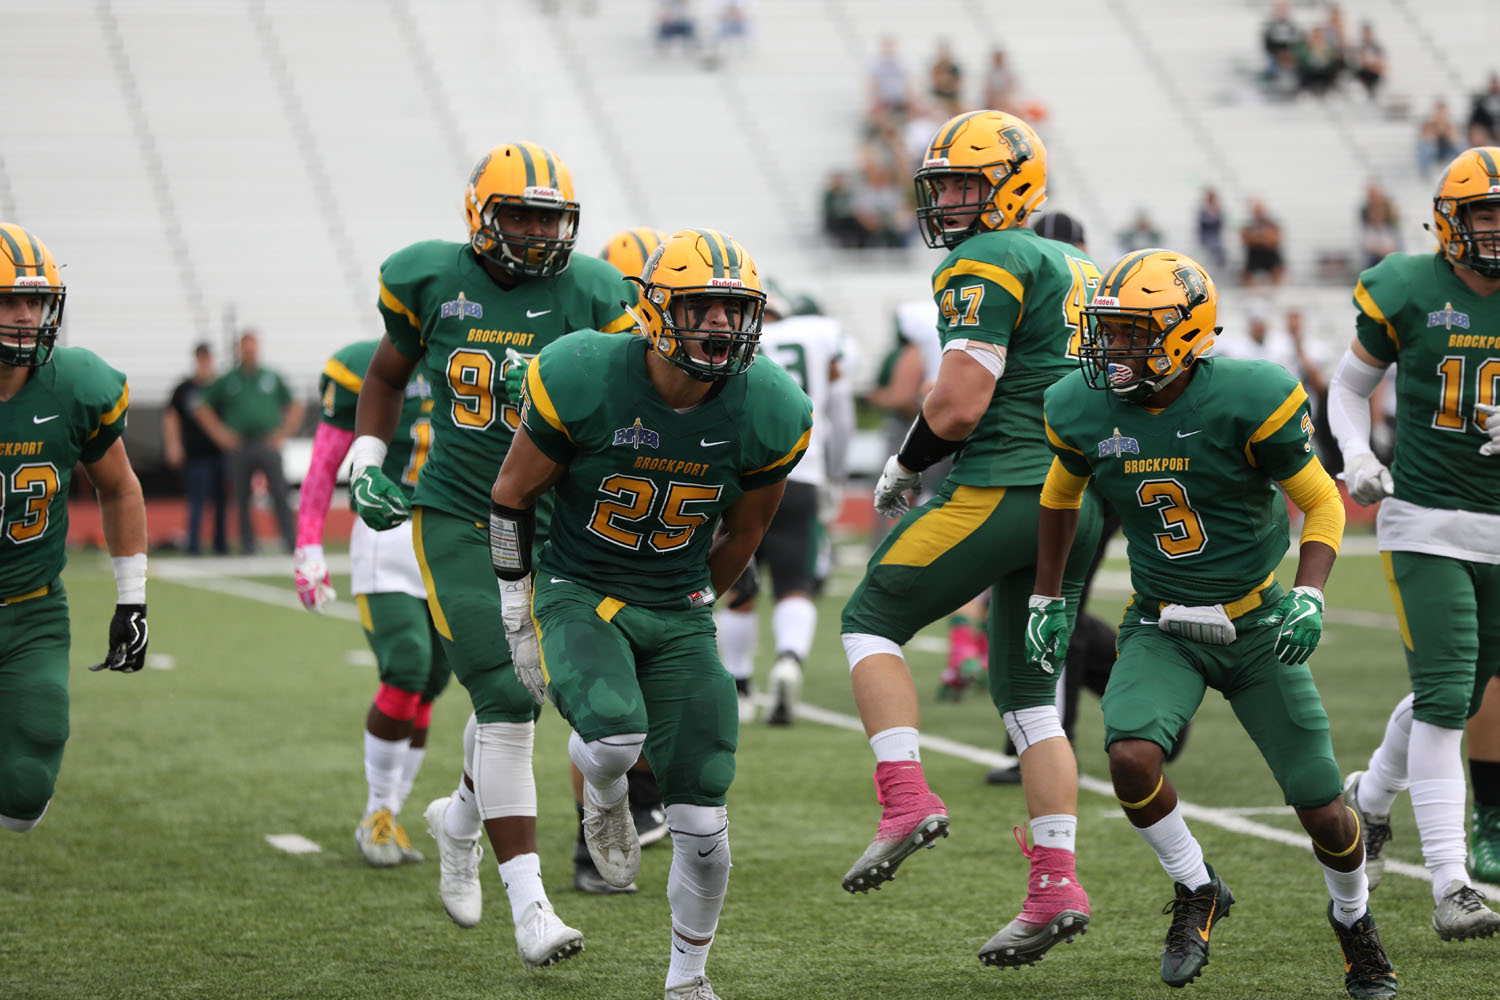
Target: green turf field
[[152, 877]]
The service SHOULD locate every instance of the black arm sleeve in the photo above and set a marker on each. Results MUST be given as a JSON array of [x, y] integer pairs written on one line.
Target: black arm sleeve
[[512, 532], [922, 447]]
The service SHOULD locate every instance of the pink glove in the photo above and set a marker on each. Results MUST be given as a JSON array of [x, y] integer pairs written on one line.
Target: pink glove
[[314, 585]]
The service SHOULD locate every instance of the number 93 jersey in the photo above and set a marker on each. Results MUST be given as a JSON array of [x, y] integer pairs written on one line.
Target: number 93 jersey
[[442, 309], [71, 409], [1445, 340], [645, 485], [1194, 484], [338, 387]]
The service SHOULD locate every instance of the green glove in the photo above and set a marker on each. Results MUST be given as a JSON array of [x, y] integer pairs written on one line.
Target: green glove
[[1046, 633], [1300, 616], [516, 364], [378, 501]]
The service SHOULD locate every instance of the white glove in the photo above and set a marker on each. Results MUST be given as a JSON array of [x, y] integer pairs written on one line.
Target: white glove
[[310, 574], [1368, 480], [831, 501], [520, 635], [1491, 421], [892, 487]]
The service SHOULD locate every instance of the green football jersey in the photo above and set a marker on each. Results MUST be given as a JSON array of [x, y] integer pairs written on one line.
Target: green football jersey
[[1445, 340], [645, 485], [1194, 483], [1025, 293], [339, 385], [442, 309], [70, 410]]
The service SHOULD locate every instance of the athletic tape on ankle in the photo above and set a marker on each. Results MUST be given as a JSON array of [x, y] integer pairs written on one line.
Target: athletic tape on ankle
[[1147, 800]]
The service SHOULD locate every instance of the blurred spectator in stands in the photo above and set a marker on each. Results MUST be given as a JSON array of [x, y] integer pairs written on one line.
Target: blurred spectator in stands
[[189, 448], [916, 135], [1367, 60], [1282, 344], [880, 204], [1211, 228], [1337, 32], [249, 412], [1261, 238], [839, 222], [999, 83], [1437, 138], [1312, 368], [1484, 114], [945, 81], [1141, 233], [1379, 232], [890, 91], [1279, 35], [731, 28], [1285, 79], [674, 20], [1319, 62]]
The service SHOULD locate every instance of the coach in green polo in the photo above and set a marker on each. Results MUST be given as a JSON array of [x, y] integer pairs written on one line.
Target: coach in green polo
[[249, 412]]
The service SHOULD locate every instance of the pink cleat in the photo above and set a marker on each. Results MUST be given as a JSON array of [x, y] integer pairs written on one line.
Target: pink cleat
[[1056, 909], [911, 817], [968, 660]]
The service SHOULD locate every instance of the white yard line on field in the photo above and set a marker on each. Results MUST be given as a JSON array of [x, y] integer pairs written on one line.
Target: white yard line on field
[[292, 843]]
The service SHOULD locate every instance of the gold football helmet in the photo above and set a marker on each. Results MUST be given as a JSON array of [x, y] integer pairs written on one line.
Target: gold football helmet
[[1002, 165], [526, 178], [686, 280], [28, 270], [629, 249], [1472, 178], [1152, 315]]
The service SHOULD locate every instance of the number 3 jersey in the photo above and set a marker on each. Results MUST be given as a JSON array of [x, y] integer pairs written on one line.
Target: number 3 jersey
[[70, 410], [338, 387], [645, 485], [1025, 293], [441, 308], [1194, 483]]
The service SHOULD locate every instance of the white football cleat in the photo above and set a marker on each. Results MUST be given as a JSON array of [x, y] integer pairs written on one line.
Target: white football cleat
[[609, 832], [458, 863], [696, 988], [376, 841], [1462, 914], [786, 688], [542, 939]]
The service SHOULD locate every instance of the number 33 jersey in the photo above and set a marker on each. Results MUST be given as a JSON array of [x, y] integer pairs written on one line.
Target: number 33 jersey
[[1194, 483], [72, 409], [636, 512], [442, 309]]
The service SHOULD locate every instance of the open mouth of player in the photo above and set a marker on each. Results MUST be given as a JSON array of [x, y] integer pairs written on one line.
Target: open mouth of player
[[717, 348]]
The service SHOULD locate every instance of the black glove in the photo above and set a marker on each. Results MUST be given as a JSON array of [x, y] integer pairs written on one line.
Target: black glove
[[127, 640], [745, 588]]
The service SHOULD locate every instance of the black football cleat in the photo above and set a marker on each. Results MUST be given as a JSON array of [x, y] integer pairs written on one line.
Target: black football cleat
[[1194, 913]]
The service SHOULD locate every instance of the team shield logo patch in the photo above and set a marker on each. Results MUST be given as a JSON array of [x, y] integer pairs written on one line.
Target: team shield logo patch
[[1447, 318], [1117, 444], [636, 435], [461, 307]]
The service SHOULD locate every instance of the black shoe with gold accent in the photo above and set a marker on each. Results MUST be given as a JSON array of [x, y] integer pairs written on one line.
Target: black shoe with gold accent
[[1194, 913], [1367, 972]]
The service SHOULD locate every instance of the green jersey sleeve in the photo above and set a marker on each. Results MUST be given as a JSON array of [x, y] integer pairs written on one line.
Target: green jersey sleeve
[[1379, 296], [404, 278], [340, 381], [1282, 444], [104, 397], [980, 299], [1060, 399], [608, 290], [562, 393], [779, 426]]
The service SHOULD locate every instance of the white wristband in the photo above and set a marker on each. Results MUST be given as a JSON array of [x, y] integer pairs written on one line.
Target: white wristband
[[130, 578], [366, 451], [310, 553]]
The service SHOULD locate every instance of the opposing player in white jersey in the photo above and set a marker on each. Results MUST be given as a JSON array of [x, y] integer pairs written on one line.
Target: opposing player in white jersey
[[809, 348]]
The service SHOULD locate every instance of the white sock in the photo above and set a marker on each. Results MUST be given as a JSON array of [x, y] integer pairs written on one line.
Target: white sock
[[686, 961], [462, 819], [1386, 776], [383, 772], [898, 743], [793, 622], [522, 876], [1350, 892], [411, 763], [737, 635], [1437, 797], [1058, 830], [1179, 852]]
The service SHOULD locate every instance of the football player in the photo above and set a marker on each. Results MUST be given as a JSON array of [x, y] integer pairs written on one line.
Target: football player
[[664, 487], [810, 349], [1189, 451], [461, 314], [1433, 315], [1010, 304], [58, 406], [389, 592]]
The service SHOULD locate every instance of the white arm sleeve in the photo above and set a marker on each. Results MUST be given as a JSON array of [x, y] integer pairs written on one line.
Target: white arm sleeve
[[1349, 404]]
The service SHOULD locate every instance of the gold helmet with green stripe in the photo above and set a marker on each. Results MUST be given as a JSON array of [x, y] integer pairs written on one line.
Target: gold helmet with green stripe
[[983, 170], [1473, 178], [31, 299], [701, 303], [629, 249], [1152, 316], [521, 212]]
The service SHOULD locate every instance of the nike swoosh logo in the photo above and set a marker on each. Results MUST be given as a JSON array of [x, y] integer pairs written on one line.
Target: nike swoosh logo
[[710, 444], [704, 854], [43, 420], [1208, 924], [534, 315], [558, 579], [1189, 433], [1292, 621]]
